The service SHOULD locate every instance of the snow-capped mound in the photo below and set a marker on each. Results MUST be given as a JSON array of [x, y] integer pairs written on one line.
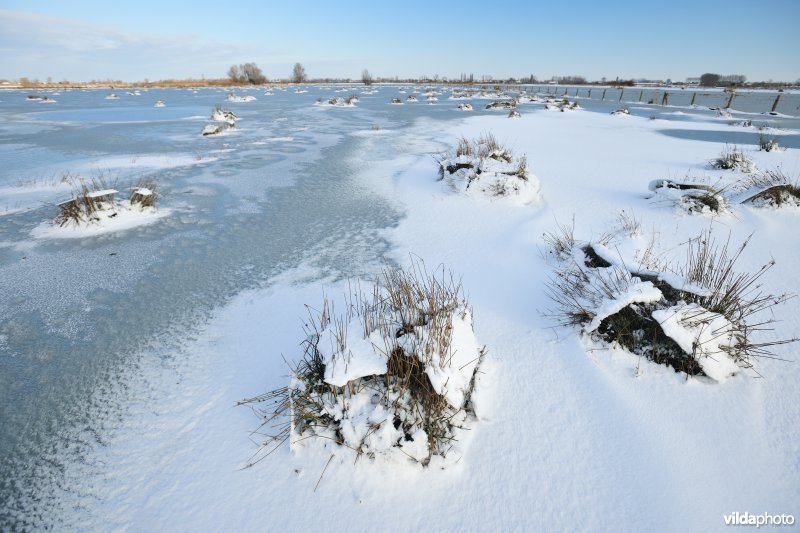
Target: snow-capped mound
[[233, 97], [393, 378], [484, 167]]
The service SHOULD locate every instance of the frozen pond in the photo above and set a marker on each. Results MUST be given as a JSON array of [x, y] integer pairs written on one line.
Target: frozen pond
[[294, 186]]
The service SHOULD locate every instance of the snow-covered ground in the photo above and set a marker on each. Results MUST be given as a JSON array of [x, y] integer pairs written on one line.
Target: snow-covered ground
[[573, 435]]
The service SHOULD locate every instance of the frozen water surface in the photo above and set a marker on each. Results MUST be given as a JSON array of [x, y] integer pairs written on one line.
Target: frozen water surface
[[291, 187], [77, 314]]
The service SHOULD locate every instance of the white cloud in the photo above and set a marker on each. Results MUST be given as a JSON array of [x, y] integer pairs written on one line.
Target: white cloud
[[41, 46]]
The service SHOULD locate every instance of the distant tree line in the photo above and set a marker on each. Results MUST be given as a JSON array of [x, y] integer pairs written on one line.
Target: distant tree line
[[715, 80]]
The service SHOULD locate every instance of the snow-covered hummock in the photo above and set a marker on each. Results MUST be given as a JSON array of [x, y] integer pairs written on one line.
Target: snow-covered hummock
[[496, 176], [411, 98], [336, 102], [466, 106], [112, 96], [396, 101], [160, 103], [47, 100], [364, 412], [213, 129], [224, 115], [704, 335], [233, 97], [514, 114], [119, 217]]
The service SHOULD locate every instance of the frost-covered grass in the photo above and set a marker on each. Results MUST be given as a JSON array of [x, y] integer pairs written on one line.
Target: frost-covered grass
[[393, 375]]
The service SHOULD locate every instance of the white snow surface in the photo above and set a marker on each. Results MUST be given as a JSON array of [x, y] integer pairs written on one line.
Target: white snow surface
[[571, 437], [450, 373], [704, 335], [122, 217], [360, 356]]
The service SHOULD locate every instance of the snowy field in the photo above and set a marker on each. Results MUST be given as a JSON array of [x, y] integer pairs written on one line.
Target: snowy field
[[123, 353]]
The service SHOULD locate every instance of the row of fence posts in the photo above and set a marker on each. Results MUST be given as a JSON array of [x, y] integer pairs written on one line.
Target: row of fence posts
[[664, 97]]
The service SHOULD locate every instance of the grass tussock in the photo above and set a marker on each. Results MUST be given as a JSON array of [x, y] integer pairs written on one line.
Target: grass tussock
[[414, 407], [701, 316], [143, 193], [89, 198], [776, 189], [692, 196], [767, 143], [485, 165], [733, 158], [96, 196]]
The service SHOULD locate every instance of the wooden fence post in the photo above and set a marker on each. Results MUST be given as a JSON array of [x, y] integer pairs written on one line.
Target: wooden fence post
[[775, 104], [694, 95], [665, 98], [604, 95], [620, 94], [730, 100]]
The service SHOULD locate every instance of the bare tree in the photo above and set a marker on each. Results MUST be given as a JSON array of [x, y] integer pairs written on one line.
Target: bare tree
[[235, 74], [253, 74], [298, 73], [366, 77], [246, 73], [709, 80]]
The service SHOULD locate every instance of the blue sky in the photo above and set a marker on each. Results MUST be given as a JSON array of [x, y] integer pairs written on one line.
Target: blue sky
[[84, 40]]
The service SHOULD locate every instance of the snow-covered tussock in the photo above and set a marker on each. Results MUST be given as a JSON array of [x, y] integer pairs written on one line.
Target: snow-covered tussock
[[697, 316], [338, 102], [233, 97], [551, 104], [224, 115], [733, 158], [484, 166], [394, 376]]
